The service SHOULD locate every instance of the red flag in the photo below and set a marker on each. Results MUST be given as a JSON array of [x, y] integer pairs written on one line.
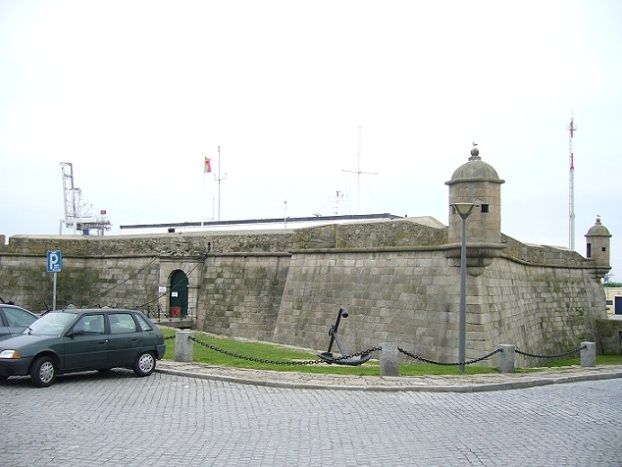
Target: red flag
[[208, 165]]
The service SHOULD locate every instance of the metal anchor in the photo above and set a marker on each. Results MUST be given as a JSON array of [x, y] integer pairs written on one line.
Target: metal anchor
[[328, 356]]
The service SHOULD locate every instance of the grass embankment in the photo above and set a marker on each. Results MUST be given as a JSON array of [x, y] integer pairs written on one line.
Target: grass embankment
[[277, 352]]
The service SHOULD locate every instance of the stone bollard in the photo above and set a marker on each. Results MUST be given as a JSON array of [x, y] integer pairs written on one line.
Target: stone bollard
[[183, 345], [505, 359], [389, 365], [588, 355]]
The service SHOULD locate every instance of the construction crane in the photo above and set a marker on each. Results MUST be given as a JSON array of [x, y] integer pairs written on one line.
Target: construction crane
[[77, 216]]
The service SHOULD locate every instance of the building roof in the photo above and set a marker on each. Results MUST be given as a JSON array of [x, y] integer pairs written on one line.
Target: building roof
[[260, 223]]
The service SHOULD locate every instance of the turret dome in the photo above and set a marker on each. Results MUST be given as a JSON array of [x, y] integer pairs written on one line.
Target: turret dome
[[475, 170], [598, 230]]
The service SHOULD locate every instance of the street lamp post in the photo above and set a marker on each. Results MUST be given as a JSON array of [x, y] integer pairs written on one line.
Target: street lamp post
[[463, 210]]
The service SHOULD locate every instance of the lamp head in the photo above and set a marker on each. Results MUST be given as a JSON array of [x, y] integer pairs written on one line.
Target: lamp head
[[464, 209]]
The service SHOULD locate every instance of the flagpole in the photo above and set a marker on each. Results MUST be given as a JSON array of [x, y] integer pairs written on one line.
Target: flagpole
[[219, 179], [207, 168], [203, 197]]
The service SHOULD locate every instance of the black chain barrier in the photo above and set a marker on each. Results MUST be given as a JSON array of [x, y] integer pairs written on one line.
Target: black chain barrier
[[469, 362], [278, 362], [564, 354], [367, 352]]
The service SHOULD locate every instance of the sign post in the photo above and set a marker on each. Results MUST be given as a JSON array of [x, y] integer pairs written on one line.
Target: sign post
[[54, 265]]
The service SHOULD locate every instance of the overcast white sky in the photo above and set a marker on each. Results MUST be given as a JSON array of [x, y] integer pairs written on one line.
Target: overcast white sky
[[136, 93]]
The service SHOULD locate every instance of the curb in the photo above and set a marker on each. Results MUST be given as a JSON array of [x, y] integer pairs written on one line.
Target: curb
[[479, 383]]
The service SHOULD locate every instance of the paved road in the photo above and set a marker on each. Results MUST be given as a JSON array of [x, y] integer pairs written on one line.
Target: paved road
[[118, 420]]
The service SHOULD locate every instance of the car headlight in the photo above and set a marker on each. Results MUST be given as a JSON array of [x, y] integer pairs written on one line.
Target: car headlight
[[12, 354]]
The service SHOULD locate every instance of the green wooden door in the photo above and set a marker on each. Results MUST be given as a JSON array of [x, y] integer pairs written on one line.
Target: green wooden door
[[179, 294]]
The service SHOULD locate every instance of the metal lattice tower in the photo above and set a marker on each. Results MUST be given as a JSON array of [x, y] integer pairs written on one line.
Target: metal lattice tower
[[571, 216]]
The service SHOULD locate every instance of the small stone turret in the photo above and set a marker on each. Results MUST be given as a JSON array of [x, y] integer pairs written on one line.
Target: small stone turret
[[597, 246], [476, 182]]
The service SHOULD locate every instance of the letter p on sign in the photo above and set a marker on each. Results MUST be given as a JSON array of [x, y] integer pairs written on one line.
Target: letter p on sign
[[54, 261]]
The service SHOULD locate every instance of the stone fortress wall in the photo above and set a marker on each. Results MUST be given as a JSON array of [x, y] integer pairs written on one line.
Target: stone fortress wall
[[399, 280]]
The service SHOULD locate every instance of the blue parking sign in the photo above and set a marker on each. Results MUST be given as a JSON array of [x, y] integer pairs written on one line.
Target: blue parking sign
[[55, 261]]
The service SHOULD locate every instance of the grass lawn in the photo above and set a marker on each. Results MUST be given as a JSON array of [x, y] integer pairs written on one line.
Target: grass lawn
[[275, 352]]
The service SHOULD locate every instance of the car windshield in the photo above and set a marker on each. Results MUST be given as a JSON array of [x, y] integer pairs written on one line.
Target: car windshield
[[51, 324]]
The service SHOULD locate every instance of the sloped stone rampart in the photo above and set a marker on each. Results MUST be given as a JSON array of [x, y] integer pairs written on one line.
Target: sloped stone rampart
[[240, 295], [404, 297], [412, 298], [399, 280], [398, 233], [155, 245], [542, 255]]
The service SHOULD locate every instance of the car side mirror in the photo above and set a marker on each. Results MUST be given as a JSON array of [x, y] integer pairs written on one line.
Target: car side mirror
[[76, 332]]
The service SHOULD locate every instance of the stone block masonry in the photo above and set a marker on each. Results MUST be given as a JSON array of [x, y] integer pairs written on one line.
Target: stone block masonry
[[413, 298], [399, 280], [381, 299], [240, 294]]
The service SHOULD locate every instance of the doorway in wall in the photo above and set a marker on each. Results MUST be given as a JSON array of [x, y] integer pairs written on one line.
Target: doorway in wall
[[178, 298]]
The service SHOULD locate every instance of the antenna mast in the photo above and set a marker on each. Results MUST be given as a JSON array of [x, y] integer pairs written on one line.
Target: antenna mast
[[358, 173], [571, 129]]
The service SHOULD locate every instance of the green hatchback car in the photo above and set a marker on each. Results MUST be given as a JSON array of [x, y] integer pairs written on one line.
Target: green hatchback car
[[75, 340]]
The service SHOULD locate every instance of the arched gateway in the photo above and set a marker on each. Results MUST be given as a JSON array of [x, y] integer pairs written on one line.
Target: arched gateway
[[178, 298]]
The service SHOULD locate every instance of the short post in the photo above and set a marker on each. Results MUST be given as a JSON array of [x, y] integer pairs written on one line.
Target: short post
[[588, 354], [183, 345], [505, 358], [389, 365]]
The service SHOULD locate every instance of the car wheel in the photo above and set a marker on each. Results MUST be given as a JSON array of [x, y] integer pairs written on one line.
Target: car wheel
[[43, 372], [145, 364]]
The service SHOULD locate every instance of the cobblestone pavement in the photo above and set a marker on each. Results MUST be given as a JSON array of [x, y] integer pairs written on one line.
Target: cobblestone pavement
[[118, 419]]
